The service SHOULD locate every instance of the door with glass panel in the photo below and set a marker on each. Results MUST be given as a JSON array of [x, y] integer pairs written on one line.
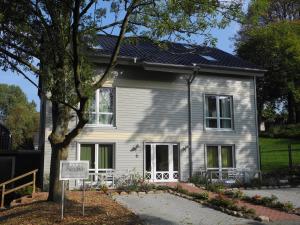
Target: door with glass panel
[[161, 162], [100, 157]]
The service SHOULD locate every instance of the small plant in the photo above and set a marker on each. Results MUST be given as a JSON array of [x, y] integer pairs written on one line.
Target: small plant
[[200, 196], [103, 188], [198, 180], [179, 189], [162, 187], [222, 202], [234, 194], [250, 211], [271, 202], [24, 191], [288, 206], [145, 186], [216, 187]]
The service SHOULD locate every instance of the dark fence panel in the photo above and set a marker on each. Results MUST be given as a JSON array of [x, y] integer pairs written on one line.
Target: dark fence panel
[[280, 158]]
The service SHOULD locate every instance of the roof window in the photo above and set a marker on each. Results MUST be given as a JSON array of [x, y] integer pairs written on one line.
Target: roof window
[[97, 46], [209, 58]]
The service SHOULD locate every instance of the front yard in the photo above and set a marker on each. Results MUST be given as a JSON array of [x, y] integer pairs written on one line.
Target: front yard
[[100, 209]]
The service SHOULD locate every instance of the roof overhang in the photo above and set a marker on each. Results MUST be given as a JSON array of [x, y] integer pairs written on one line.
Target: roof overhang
[[201, 68], [180, 69]]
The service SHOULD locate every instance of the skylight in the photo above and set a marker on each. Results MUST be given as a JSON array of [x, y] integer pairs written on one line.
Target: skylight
[[97, 46], [209, 58], [187, 46]]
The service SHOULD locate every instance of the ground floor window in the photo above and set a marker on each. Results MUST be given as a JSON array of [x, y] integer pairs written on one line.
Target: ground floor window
[[220, 157], [100, 156]]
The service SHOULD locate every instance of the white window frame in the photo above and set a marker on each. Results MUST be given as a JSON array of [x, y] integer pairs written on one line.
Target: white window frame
[[96, 144], [218, 117], [98, 113], [220, 168]]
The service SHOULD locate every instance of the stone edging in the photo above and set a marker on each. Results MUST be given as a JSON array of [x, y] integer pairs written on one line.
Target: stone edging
[[137, 193], [222, 209]]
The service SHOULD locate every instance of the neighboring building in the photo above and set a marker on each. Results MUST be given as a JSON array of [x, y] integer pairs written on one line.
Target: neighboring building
[[168, 114]]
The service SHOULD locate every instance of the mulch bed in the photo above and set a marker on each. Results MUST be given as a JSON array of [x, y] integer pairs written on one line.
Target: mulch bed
[[99, 209]]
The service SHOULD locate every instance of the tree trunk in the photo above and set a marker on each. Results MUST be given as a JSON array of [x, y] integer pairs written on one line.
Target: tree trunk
[[55, 185], [60, 121], [291, 108]]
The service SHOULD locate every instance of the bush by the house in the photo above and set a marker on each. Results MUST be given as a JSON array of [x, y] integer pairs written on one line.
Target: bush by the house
[[24, 191], [200, 196], [215, 187], [197, 179], [283, 131]]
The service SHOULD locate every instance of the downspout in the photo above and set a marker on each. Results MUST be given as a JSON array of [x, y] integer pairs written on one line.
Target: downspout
[[190, 80], [256, 125]]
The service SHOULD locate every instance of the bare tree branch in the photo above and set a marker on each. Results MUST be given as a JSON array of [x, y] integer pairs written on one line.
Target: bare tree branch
[[87, 8], [113, 59], [21, 61]]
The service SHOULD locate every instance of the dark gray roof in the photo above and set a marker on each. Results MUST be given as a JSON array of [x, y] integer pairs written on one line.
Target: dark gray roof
[[171, 53]]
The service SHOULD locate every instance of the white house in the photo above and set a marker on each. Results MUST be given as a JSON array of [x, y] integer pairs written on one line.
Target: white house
[[168, 114]]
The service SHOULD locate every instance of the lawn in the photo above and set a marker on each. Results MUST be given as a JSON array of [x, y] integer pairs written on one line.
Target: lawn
[[274, 153], [99, 209]]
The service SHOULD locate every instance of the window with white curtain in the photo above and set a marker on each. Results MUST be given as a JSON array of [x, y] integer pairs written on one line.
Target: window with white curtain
[[101, 108], [218, 112]]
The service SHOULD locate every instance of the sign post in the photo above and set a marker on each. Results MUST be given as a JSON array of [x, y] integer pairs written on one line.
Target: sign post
[[73, 170]]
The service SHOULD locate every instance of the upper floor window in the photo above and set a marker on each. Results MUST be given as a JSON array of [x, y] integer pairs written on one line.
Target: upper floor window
[[101, 110], [218, 112]]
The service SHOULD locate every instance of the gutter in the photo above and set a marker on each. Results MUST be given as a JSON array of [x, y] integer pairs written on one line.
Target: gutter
[[256, 125], [204, 68], [175, 68]]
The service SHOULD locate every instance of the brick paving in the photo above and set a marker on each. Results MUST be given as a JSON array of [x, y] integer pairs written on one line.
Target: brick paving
[[273, 214]]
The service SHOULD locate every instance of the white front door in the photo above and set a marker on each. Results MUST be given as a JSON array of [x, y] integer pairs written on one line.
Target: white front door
[[161, 162]]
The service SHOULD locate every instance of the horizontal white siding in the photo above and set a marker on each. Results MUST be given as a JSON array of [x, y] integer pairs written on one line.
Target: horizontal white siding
[[149, 110]]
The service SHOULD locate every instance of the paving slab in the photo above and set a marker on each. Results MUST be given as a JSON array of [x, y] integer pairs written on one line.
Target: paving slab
[[284, 194], [167, 209]]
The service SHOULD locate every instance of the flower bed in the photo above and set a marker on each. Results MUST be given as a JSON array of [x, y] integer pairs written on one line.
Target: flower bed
[[271, 202]]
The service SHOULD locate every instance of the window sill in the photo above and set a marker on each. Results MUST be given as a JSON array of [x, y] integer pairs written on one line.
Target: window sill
[[219, 129], [100, 126]]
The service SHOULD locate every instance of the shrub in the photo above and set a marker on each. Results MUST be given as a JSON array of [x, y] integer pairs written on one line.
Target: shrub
[[198, 180], [162, 187], [146, 186], [200, 196], [283, 131], [181, 190], [24, 191], [223, 202], [250, 211], [234, 194], [215, 187], [103, 188]]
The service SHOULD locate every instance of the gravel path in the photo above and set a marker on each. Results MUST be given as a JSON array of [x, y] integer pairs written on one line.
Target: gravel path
[[284, 195], [167, 209]]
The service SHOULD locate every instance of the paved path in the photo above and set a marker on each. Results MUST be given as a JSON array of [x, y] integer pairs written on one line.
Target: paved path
[[284, 194], [167, 209]]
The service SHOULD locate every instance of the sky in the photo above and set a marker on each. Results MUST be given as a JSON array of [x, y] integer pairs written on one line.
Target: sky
[[224, 43]]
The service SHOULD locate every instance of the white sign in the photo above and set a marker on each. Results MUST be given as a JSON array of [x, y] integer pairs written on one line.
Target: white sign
[[72, 170]]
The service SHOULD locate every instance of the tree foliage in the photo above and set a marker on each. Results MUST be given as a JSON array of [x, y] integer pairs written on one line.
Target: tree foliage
[[270, 38], [51, 38], [19, 116]]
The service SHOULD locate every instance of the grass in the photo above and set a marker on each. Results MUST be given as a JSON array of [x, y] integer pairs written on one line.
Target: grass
[[274, 153]]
